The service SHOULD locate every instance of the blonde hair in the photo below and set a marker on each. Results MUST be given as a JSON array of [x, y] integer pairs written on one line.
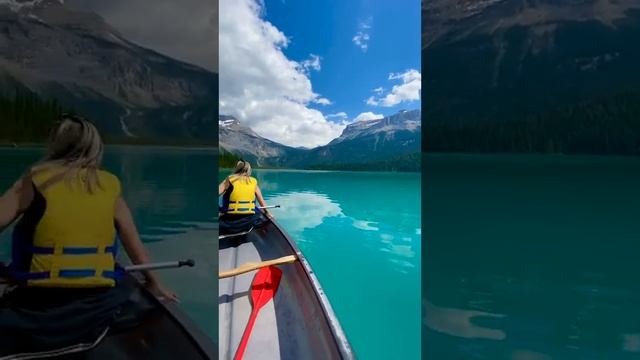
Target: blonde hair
[[75, 144], [243, 170]]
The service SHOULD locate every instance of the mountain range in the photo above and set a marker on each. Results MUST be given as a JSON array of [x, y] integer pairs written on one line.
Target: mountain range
[[390, 139], [80, 60], [532, 75]]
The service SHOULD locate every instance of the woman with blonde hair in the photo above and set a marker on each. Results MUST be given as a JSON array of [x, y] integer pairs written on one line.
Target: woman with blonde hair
[[63, 271], [239, 193]]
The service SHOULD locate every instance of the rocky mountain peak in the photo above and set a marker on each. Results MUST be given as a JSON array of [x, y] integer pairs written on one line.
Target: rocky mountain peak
[[228, 121], [360, 142], [403, 120], [453, 20], [86, 64], [30, 5]]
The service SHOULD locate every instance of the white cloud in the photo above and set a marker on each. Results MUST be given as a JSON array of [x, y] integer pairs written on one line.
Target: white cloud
[[263, 88], [312, 63], [361, 39], [323, 101], [342, 115], [366, 116], [408, 91]]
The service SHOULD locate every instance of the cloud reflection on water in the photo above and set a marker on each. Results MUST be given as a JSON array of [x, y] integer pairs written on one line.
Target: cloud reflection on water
[[305, 210], [631, 342], [365, 225], [459, 322]]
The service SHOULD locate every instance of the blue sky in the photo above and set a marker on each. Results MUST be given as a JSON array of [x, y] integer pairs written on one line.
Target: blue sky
[[348, 75], [288, 67]]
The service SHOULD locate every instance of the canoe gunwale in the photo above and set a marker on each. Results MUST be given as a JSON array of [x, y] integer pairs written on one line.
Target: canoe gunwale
[[334, 325], [201, 341]]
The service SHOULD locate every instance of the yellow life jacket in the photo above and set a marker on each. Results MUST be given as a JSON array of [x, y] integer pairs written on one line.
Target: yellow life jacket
[[67, 237], [242, 199]]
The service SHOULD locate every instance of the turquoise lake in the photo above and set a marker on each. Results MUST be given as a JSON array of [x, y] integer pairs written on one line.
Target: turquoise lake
[[171, 192], [531, 257], [361, 233]]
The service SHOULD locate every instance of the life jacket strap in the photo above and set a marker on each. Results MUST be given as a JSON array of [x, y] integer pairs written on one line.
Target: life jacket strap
[[67, 273], [22, 276], [41, 250], [234, 206], [115, 275]]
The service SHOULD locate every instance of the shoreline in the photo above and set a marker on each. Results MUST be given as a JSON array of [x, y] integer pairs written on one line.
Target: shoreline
[[18, 145], [325, 171], [540, 155]]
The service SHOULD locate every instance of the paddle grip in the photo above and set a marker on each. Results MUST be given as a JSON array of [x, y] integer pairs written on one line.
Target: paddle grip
[[189, 263]]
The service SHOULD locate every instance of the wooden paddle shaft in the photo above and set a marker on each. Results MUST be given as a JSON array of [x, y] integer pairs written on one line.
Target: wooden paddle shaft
[[245, 268]]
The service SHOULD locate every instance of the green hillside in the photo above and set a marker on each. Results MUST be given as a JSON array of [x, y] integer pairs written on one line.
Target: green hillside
[[26, 117]]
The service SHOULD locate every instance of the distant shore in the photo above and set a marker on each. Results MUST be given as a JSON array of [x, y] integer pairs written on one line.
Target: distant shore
[[9, 144], [17, 145], [326, 170]]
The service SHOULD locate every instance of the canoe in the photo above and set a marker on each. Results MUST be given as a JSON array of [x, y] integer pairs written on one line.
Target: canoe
[[298, 323], [165, 333], [157, 330]]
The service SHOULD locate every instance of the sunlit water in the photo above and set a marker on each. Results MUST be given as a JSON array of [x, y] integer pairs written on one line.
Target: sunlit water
[[531, 257], [361, 233], [172, 196]]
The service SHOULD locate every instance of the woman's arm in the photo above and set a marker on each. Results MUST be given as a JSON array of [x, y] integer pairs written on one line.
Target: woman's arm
[[223, 186], [261, 201], [134, 247], [15, 201]]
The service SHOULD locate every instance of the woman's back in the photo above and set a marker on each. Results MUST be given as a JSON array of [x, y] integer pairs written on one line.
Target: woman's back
[[64, 246], [74, 215], [66, 237], [240, 196]]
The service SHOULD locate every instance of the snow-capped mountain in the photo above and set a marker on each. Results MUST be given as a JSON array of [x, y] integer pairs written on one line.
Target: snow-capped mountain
[[79, 59], [244, 142], [360, 142], [372, 140], [402, 121]]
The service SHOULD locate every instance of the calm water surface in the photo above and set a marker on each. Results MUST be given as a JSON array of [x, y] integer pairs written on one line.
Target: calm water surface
[[172, 196], [531, 257], [361, 234]]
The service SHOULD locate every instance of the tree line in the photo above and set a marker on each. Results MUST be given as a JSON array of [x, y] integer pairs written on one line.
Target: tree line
[[26, 117], [606, 126], [402, 163], [226, 159]]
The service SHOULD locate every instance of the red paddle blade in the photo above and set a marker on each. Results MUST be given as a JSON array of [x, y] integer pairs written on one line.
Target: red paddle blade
[[263, 289], [264, 286]]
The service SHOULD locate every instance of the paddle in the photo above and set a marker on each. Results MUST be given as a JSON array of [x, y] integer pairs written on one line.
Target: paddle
[[220, 237], [250, 266], [141, 267], [263, 289], [269, 207], [160, 265]]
